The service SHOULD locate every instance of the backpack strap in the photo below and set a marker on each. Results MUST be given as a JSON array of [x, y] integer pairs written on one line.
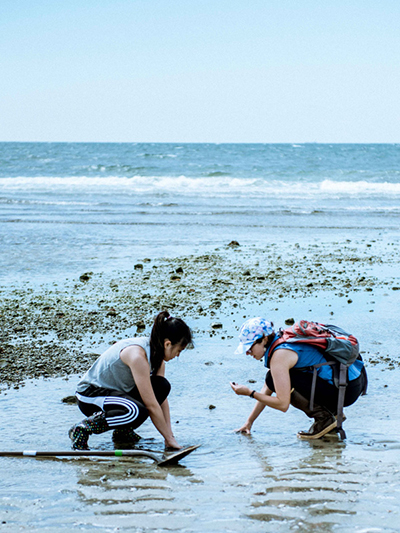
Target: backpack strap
[[314, 369], [272, 347], [364, 373], [342, 392]]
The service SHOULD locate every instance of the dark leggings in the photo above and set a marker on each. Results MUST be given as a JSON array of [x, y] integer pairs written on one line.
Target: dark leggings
[[326, 395], [122, 409]]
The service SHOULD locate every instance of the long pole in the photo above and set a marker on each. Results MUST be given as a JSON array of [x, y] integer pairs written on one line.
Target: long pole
[[160, 459], [81, 453]]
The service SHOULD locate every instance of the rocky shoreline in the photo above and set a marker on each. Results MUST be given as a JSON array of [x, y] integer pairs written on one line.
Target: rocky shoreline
[[57, 329]]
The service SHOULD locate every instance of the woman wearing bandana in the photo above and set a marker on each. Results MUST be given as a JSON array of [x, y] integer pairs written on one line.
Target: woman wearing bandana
[[289, 380]]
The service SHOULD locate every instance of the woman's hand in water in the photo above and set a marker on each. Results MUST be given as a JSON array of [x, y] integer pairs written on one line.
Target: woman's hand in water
[[242, 390], [172, 444], [246, 429]]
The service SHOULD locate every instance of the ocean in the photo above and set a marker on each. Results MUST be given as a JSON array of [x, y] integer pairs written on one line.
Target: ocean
[[66, 208], [318, 227]]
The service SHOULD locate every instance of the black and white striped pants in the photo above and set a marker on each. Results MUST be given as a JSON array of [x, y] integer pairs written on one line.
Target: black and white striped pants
[[122, 409]]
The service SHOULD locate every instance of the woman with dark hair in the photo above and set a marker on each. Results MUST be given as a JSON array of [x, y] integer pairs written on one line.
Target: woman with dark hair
[[291, 378], [126, 384]]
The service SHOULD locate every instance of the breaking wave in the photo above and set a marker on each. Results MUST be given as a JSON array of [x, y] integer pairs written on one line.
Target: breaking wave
[[215, 186]]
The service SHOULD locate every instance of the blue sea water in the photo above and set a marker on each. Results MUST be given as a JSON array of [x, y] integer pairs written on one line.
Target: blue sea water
[[71, 207]]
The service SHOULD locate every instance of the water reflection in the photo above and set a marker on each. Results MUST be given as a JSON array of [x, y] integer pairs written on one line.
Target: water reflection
[[135, 490], [306, 492], [269, 482]]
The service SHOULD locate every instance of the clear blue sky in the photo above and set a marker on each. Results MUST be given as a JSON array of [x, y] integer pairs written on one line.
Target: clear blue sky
[[200, 71]]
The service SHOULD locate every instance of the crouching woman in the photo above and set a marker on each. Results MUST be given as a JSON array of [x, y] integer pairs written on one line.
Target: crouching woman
[[290, 377], [127, 384]]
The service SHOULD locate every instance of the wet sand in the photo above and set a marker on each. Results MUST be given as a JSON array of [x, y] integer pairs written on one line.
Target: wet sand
[[270, 481], [59, 329]]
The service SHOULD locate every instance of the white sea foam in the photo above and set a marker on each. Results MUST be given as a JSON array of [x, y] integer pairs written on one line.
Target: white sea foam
[[216, 186], [360, 187]]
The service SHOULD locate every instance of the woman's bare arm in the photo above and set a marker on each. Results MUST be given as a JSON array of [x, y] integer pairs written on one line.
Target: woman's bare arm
[[255, 413], [135, 358], [281, 363]]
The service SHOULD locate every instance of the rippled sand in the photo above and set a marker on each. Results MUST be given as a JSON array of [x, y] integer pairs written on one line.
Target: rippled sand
[[270, 481]]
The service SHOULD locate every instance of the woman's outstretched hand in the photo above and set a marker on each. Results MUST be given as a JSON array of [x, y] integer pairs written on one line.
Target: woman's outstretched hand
[[245, 429], [242, 390], [172, 444]]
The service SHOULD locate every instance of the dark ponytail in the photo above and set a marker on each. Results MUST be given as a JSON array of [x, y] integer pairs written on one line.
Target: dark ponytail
[[167, 327]]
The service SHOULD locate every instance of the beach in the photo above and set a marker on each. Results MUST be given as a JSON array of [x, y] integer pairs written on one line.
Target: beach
[[270, 481], [90, 256], [59, 329]]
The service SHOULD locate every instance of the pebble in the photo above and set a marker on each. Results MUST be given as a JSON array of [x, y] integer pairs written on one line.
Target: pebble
[[48, 330]]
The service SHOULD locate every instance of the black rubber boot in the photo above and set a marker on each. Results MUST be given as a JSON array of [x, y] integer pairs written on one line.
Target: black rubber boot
[[324, 420], [125, 436], [79, 433]]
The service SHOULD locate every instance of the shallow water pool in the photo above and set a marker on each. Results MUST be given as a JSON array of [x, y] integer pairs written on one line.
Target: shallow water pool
[[269, 482]]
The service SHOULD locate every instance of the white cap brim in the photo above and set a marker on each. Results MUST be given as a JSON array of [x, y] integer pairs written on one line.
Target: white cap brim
[[242, 348]]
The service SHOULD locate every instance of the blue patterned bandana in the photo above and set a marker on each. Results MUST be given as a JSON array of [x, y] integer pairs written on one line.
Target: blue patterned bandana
[[252, 330]]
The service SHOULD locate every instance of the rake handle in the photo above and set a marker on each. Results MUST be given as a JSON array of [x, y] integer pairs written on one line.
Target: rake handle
[[160, 458], [82, 453]]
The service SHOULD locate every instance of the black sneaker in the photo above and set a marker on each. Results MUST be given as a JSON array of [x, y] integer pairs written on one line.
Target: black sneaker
[[125, 436], [79, 436]]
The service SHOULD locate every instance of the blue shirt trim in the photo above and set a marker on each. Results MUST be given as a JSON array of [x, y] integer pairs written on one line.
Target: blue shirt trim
[[309, 355]]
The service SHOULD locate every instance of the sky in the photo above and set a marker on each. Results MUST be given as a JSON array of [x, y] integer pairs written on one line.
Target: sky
[[255, 71]]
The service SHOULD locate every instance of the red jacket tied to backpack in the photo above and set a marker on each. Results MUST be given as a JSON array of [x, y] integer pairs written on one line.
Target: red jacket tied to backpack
[[333, 341]]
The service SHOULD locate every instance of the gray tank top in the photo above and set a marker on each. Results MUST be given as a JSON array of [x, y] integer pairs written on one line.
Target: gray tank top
[[109, 372]]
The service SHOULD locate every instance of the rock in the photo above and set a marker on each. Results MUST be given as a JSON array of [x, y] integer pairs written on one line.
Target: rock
[[92, 355], [86, 276], [112, 312], [179, 270], [209, 363], [289, 321], [138, 266], [233, 244], [69, 400], [216, 325], [211, 407]]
